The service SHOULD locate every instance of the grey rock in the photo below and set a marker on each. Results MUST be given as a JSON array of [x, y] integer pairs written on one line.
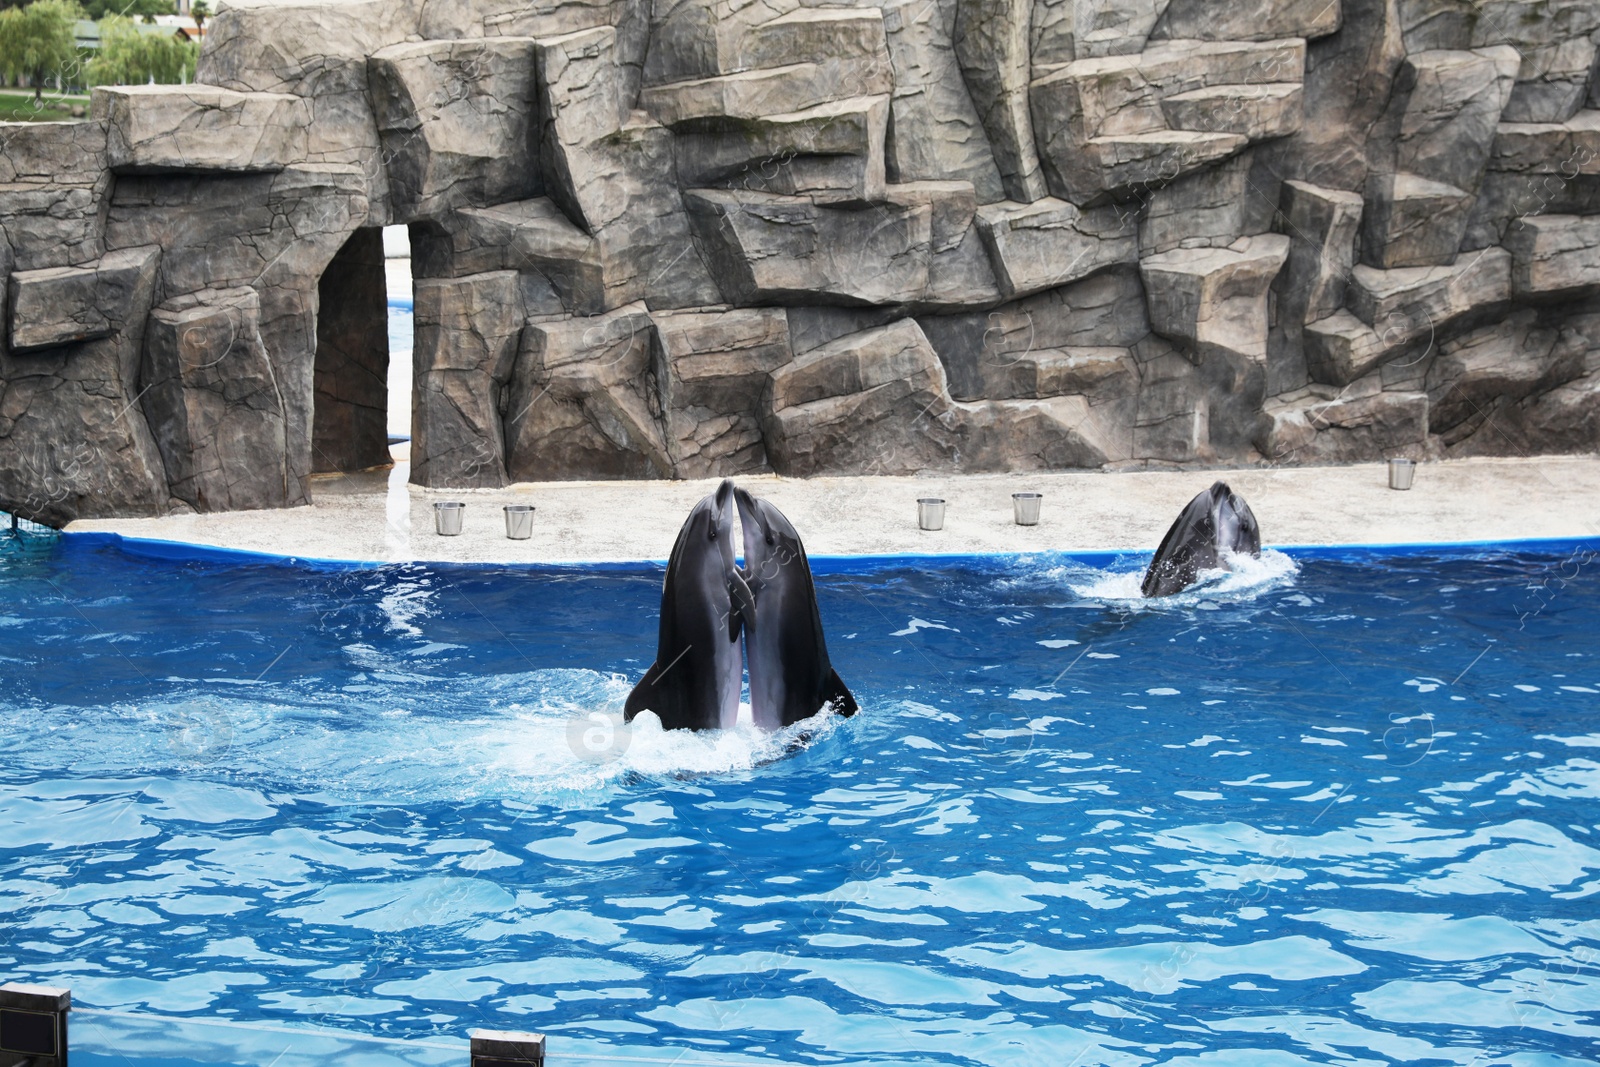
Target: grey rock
[[813, 327], [1554, 39], [1052, 35], [1480, 375], [154, 128], [1048, 434], [1506, 198], [350, 417], [1567, 148], [73, 441], [818, 34], [1172, 421], [1429, 153], [267, 46], [1447, 106], [466, 347], [1348, 78], [834, 151], [1426, 25], [1413, 222], [457, 123], [1105, 129], [1555, 255], [936, 134], [1321, 225], [212, 400], [1412, 299], [874, 401], [64, 305], [1253, 20], [1114, 28], [53, 188], [1395, 313], [1051, 242], [1323, 425], [712, 368], [777, 249], [533, 237], [992, 45], [1215, 299], [691, 39], [580, 106], [648, 252], [1048, 372], [1255, 112], [771, 91], [585, 401], [1206, 209], [1103, 312], [438, 19], [275, 233], [960, 272]]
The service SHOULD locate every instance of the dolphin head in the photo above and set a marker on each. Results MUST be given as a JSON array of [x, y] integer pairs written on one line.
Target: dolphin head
[[1236, 529], [709, 527], [770, 541]]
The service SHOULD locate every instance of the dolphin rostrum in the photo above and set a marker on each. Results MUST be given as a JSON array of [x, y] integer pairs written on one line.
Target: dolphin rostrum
[[1215, 522], [791, 677], [705, 601]]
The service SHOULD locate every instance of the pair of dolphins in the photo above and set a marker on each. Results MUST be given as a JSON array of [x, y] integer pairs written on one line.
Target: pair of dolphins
[[708, 603]]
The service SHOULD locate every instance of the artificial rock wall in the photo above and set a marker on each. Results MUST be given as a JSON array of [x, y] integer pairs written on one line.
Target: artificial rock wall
[[687, 238]]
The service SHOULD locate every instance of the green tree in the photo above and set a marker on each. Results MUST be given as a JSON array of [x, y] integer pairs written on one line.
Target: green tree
[[129, 56], [37, 42], [99, 9], [200, 11]]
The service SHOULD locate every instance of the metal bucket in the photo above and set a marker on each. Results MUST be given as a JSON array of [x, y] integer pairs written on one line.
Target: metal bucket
[[1401, 471], [930, 513], [1025, 508], [519, 521], [447, 517]]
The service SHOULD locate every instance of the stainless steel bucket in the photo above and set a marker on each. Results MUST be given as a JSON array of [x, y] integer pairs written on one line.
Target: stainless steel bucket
[[1401, 471], [519, 521], [1025, 508], [930, 513], [447, 517]]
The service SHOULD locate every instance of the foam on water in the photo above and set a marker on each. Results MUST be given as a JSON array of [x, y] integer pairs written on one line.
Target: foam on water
[[1244, 578]]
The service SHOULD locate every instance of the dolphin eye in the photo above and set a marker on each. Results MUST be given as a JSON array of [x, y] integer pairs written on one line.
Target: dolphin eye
[[713, 533], [771, 540]]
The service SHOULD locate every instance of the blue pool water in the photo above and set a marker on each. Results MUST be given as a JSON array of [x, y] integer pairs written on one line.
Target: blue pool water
[[1343, 809]]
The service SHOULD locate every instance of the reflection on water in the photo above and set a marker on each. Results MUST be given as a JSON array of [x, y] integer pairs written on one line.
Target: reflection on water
[[1333, 810]]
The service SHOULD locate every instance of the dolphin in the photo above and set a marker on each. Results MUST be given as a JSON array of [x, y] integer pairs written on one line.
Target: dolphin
[[1215, 522], [791, 677], [705, 602]]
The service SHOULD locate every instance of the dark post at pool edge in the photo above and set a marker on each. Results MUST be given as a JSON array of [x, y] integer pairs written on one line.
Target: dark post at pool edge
[[33, 1025], [506, 1048]]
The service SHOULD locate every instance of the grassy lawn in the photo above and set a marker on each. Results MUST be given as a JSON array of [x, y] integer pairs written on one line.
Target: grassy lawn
[[16, 105]]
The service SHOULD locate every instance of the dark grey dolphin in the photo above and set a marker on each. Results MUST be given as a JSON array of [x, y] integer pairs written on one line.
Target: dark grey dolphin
[[1214, 522], [694, 682], [791, 677]]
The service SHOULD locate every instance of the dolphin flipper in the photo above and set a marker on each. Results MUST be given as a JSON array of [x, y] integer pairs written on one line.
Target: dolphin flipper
[[835, 693], [639, 699]]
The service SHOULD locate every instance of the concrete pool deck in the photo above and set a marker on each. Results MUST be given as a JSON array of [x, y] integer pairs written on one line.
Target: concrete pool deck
[[375, 515]]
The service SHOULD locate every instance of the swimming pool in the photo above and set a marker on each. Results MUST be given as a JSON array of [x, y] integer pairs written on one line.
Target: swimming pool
[[1342, 809]]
